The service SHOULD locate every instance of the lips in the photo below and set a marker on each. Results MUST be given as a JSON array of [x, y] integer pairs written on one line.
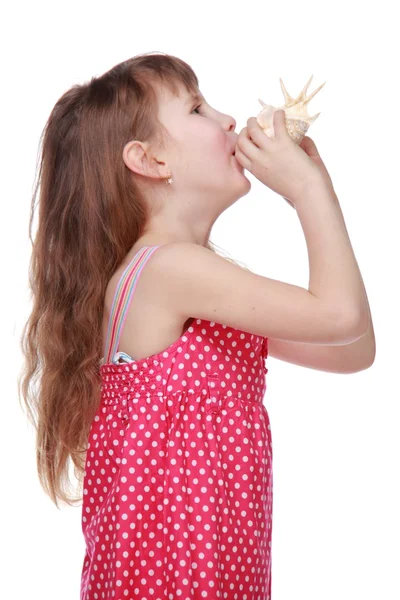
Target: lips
[[237, 163], [233, 147]]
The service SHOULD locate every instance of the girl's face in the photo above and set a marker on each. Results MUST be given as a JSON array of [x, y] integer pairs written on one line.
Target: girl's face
[[201, 160]]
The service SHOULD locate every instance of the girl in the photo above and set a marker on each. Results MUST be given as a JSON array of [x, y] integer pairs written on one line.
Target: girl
[[151, 347]]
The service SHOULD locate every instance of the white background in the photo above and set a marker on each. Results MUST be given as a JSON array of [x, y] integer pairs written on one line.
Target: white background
[[335, 437]]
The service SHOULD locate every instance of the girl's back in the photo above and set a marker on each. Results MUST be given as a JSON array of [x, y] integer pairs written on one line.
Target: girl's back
[[152, 321]]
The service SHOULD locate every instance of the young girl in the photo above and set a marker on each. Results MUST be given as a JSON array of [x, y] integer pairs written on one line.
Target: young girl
[[152, 347]]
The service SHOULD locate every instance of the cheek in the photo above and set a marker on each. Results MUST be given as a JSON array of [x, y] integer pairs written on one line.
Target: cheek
[[212, 142], [221, 144]]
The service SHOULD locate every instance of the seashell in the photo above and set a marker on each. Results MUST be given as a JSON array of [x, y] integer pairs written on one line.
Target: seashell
[[297, 119]]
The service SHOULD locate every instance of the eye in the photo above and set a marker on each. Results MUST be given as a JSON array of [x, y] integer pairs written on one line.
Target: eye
[[197, 108]]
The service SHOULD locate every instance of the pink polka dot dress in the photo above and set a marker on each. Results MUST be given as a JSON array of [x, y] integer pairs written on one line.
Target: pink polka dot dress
[[177, 493]]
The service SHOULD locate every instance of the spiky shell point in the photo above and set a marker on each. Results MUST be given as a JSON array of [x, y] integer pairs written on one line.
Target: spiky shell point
[[297, 119]]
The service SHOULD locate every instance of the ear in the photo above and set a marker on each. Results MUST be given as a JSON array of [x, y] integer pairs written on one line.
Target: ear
[[138, 158]]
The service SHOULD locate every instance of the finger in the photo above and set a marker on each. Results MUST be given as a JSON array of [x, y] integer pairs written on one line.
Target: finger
[[242, 159], [307, 141], [309, 147], [279, 122], [256, 133], [246, 145]]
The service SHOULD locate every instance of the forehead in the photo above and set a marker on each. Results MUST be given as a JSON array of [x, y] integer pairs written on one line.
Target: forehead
[[196, 97], [179, 95]]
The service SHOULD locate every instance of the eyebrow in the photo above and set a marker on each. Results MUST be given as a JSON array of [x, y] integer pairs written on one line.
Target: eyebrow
[[194, 98]]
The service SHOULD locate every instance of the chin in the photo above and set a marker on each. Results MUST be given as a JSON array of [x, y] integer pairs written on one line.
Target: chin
[[245, 184], [240, 191]]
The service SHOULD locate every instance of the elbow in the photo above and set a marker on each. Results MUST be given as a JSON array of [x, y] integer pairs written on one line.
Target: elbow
[[371, 357], [353, 327], [361, 324]]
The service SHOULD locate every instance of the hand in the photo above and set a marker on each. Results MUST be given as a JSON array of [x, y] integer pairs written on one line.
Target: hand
[[309, 147], [279, 163]]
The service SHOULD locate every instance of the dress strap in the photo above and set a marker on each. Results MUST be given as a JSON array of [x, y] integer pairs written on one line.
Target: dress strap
[[122, 299]]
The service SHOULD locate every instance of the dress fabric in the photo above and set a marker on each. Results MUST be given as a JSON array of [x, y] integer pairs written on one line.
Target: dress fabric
[[177, 491]]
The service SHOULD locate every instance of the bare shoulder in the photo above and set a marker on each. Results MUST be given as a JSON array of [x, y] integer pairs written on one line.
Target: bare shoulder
[[152, 321]]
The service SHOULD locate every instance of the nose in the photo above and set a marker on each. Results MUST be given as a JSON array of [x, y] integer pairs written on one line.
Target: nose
[[232, 124], [229, 123]]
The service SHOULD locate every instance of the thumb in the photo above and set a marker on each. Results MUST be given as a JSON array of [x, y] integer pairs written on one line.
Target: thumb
[[309, 147], [279, 122]]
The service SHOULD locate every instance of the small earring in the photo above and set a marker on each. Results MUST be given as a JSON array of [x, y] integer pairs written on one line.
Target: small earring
[[169, 180]]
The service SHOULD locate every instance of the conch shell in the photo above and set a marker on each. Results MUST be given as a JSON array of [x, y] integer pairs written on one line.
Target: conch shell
[[297, 119]]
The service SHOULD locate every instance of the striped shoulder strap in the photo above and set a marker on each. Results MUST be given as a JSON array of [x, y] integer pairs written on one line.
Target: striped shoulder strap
[[122, 299]]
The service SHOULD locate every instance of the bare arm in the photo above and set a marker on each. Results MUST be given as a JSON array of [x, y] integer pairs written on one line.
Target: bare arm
[[334, 272], [356, 356], [344, 358], [196, 282]]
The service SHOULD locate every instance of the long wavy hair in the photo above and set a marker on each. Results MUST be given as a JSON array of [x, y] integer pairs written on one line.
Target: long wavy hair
[[90, 214]]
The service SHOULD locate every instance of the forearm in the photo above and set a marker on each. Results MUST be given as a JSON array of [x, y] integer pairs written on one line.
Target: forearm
[[367, 342], [334, 273], [364, 348]]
